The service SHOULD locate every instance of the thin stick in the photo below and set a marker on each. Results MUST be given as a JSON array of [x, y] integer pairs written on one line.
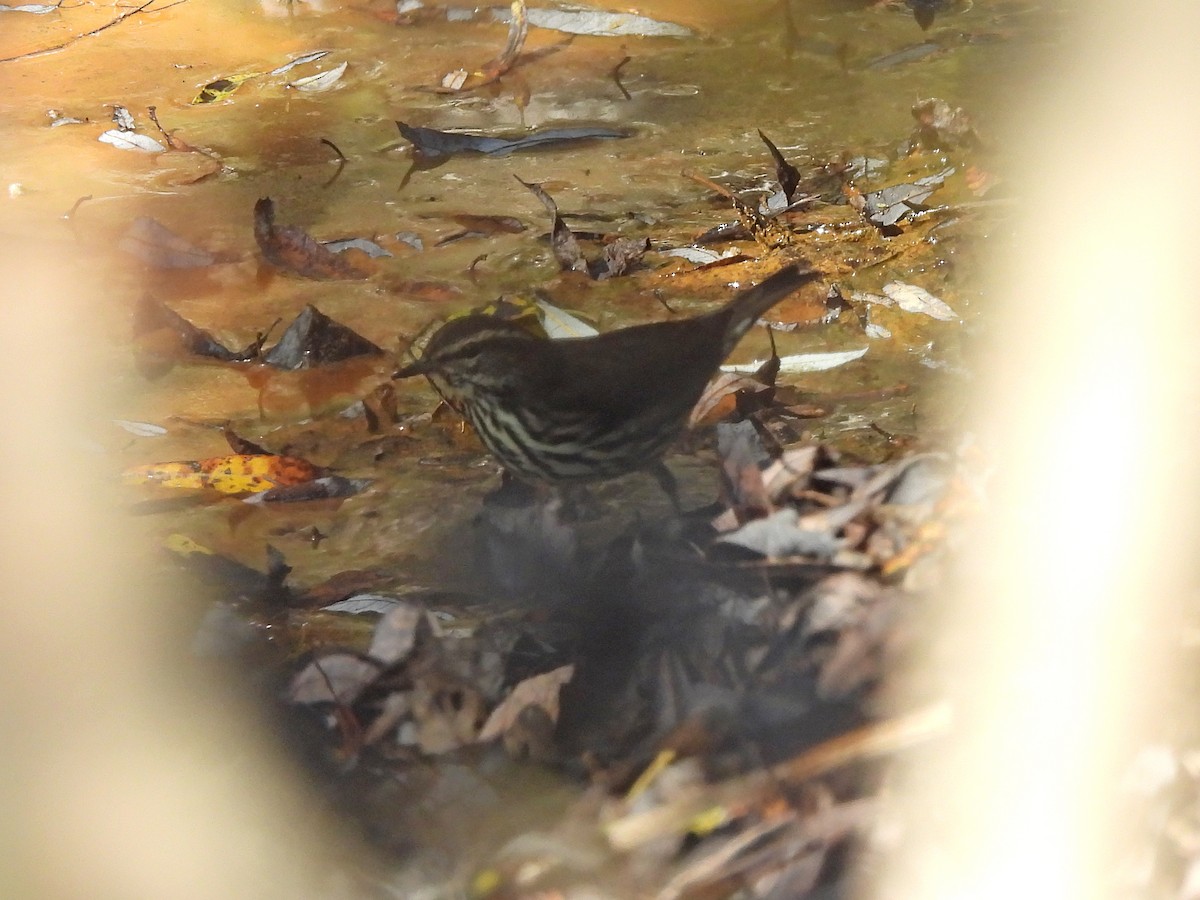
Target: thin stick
[[67, 43]]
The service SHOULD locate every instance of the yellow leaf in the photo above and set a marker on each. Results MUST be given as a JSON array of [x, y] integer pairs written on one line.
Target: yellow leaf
[[182, 545], [222, 88], [236, 474]]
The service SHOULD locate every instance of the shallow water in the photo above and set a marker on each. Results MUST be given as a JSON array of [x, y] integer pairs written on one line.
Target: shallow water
[[831, 89]]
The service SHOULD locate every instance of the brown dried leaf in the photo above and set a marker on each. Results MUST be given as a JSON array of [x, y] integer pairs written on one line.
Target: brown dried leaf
[[540, 690], [292, 249]]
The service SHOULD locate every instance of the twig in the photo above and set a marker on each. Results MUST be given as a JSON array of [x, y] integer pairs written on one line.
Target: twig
[[341, 161], [67, 43], [615, 75], [717, 801]]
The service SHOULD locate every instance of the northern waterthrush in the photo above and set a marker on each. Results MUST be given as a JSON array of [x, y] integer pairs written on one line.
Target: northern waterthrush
[[585, 409]]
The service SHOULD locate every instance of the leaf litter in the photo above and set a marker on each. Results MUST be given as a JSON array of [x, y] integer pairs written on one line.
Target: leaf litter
[[712, 688]]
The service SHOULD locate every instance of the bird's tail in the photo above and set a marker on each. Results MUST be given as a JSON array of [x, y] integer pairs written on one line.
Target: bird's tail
[[745, 309]]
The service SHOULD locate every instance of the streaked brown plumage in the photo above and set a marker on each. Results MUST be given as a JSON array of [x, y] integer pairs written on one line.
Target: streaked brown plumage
[[583, 409]]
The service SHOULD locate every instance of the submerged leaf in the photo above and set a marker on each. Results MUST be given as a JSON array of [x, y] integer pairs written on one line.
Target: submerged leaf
[[432, 144], [314, 339], [599, 23], [299, 61], [322, 81], [155, 244], [291, 248], [131, 140], [787, 174], [329, 487], [911, 298], [152, 316], [562, 240], [237, 474], [222, 88]]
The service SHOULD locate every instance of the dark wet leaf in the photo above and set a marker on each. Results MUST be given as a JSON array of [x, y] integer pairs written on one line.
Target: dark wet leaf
[[291, 249], [616, 258], [153, 316], [328, 487], [156, 245], [925, 11], [786, 174], [620, 256], [562, 240], [434, 145], [908, 54], [314, 339], [241, 445]]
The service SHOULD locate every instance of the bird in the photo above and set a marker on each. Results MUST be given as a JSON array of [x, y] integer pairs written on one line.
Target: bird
[[586, 409]]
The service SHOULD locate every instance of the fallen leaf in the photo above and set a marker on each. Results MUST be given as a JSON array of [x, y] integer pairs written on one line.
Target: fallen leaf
[[156, 245], [599, 23], [299, 61], [540, 690], [130, 140], [328, 487], [397, 634], [558, 323], [365, 604], [314, 339], [221, 88], [434, 145], [913, 299], [291, 248], [333, 678], [237, 474], [562, 240], [322, 81], [786, 174], [803, 362]]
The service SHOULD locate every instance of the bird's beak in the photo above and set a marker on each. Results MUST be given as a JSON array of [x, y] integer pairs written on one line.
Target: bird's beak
[[416, 368]]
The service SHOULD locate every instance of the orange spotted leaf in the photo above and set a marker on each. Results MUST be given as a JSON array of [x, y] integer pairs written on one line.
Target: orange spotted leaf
[[237, 474]]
